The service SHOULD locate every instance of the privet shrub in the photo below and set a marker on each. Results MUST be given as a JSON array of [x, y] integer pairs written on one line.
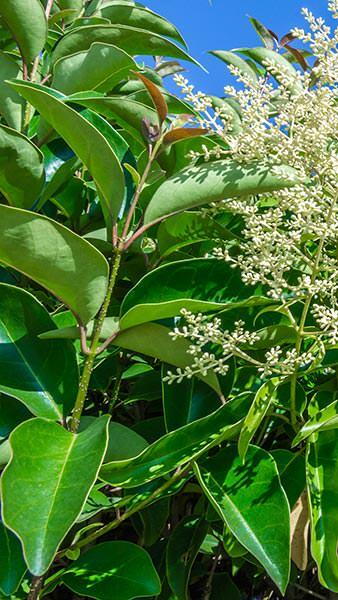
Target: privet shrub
[[168, 311]]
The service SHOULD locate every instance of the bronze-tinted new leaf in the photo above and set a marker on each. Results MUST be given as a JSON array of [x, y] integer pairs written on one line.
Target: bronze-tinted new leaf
[[156, 96], [183, 133]]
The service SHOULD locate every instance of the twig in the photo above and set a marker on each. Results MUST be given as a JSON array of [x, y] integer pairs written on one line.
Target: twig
[[36, 587]]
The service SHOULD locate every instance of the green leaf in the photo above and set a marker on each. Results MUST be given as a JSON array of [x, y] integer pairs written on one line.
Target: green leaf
[[198, 284], [45, 377], [251, 501], [215, 181], [139, 16], [12, 564], [123, 442], [177, 399], [183, 546], [100, 68], [223, 588], [322, 478], [56, 258], [120, 570], [131, 39], [86, 142], [258, 409], [27, 23], [230, 58], [282, 66], [12, 413], [127, 113], [291, 468], [47, 483], [21, 168], [265, 35], [177, 448], [12, 106], [324, 419]]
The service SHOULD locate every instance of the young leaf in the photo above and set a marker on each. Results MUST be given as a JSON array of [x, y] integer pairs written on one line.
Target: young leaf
[[141, 17], [45, 377], [131, 39], [86, 142], [253, 504], [183, 546], [215, 181], [113, 570], [21, 169], [56, 258], [27, 23], [156, 96], [12, 106], [12, 564], [100, 68], [322, 477], [262, 401], [177, 448], [47, 483], [183, 133], [264, 33]]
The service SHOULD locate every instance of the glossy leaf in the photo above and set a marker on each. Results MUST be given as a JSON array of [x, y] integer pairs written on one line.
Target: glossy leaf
[[12, 564], [230, 58], [47, 483], [100, 68], [56, 258], [199, 285], [45, 377], [123, 442], [177, 400], [177, 448], [322, 477], [253, 504], [12, 413], [113, 570], [327, 418], [215, 181], [27, 23], [183, 133], [21, 169], [264, 55], [291, 469], [86, 142], [131, 39], [139, 16], [264, 397], [265, 35], [156, 96], [12, 106], [129, 114], [183, 546]]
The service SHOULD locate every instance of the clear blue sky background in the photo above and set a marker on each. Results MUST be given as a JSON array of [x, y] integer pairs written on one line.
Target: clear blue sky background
[[223, 25]]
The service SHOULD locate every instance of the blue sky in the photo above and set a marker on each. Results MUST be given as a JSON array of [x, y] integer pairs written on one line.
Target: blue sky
[[223, 24]]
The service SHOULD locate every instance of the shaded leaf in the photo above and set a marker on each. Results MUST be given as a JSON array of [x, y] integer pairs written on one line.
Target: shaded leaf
[[300, 524], [12, 106], [177, 448], [253, 504], [45, 377], [21, 168], [12, 564], [183, 546], [113, 570]]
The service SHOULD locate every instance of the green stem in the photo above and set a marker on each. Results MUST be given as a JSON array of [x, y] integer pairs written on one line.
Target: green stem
[[300, 330], [89, 362], [116, 522]]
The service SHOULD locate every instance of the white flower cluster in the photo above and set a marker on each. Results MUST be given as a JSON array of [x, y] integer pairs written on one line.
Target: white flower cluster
[[201, 332], [289, 237]]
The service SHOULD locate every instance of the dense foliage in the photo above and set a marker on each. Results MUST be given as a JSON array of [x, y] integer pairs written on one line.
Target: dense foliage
[[168, 310]]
